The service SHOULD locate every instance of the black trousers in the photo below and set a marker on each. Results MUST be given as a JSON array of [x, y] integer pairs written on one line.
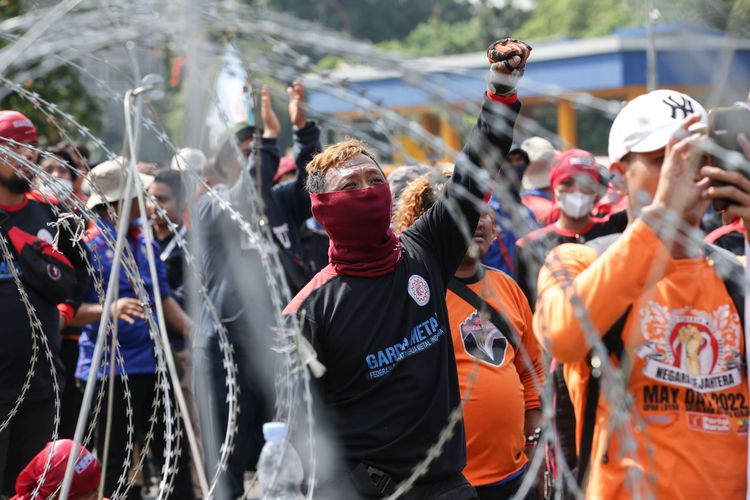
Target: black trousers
[[506, 490], [210, 394], [348, 485], [182, 483], [26, 435], [71, 397], [141, 388]]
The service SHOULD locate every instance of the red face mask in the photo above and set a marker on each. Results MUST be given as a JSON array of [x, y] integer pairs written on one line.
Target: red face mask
[[358, 224]]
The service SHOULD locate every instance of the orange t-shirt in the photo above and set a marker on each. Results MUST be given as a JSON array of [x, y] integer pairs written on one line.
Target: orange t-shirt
[[689, 414], [503, 388]]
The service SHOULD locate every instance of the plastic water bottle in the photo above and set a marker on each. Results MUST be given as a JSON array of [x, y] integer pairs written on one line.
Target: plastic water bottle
[[280, 458]]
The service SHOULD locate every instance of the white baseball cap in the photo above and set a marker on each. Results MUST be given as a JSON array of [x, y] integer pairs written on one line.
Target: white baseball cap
[[540, 152], [190, 159], [647, 122]]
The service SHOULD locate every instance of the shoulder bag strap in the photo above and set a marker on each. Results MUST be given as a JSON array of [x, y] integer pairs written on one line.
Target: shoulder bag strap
[[615, 345], [472, 298]]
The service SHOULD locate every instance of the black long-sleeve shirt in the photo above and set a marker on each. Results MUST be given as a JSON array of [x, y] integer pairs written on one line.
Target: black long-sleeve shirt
[[287, 205], [33, 216], [173, 257], [391, 379], [229, 260], [290, 201]]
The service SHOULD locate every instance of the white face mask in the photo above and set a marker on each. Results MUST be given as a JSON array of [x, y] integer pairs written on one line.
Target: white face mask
[[576, 204], [60, 188]]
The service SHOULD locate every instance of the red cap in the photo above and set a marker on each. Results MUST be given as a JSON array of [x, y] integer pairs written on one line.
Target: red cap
[[16, 126], [286, 166], [86, 474], [572, 163]]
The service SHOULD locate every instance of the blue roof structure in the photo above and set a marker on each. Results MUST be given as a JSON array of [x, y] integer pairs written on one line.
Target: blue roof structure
[[691, 57]]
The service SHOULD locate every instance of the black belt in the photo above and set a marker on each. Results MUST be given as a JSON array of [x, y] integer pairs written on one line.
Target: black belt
[[371, 481]]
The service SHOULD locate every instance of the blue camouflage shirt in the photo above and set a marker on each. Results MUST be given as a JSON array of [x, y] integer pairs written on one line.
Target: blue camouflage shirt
[[135, 343]]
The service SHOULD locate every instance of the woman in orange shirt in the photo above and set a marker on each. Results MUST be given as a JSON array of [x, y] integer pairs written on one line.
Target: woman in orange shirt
[[498, 381]]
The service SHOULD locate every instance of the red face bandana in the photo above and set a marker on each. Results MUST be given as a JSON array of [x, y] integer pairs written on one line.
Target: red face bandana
[[358, 224]]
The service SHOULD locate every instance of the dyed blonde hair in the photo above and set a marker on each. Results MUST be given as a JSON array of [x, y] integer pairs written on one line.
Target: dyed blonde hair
[[333, 157]]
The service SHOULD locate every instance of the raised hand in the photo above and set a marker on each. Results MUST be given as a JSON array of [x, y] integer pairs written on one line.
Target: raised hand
[[680, 194], [296, 93], [271, 125], [677, 189], [507, 60]]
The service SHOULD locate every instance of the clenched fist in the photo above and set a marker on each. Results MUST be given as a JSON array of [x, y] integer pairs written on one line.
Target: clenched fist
[[507, 60]]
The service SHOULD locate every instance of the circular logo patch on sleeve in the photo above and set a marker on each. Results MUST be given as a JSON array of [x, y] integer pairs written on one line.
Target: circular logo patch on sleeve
[[419, 290], [53, 272]]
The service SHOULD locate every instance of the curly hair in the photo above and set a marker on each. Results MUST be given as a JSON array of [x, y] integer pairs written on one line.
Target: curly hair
[[333, 157], [416, 198]]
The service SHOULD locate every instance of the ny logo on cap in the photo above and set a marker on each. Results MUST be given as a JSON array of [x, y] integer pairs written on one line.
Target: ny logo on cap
[[686, 106]]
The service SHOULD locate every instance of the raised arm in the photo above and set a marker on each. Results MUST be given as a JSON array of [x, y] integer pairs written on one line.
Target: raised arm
[[269, 162], [447, 227], [293, 197]]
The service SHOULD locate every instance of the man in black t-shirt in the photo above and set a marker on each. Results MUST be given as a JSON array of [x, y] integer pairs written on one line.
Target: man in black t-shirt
[[30, 428], [376, 315]]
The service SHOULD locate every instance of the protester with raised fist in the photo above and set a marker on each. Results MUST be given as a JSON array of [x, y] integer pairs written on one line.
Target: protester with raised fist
[[245, 308], [287, 204], [390, 388]]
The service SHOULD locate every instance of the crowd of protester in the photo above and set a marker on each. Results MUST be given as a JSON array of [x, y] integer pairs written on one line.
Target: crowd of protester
[[421, 291]]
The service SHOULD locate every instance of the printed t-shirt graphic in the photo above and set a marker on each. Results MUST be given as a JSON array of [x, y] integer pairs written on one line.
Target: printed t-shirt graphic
[[482, 340], [391, 382], [691, 348], [503, 387], [685, 343], [399, 356]]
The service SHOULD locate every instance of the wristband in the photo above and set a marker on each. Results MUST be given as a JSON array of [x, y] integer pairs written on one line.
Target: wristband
[[502, 99], [66, 313]]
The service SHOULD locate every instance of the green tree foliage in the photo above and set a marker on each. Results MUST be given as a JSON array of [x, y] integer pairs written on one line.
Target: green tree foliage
[[500, 21], [9, 8], [580, 18], [61, 86], [587, 18], [731, 16], [436, 37], [329, 62], [374, 20]]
